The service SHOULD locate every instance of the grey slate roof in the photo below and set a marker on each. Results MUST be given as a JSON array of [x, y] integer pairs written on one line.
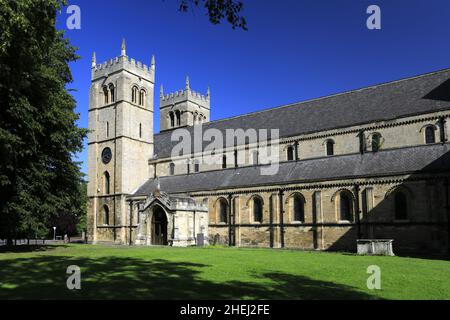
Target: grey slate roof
[[420, 159], [422, 94]]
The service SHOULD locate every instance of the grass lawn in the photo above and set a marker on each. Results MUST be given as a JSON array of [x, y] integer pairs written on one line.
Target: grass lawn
[[215, 273]]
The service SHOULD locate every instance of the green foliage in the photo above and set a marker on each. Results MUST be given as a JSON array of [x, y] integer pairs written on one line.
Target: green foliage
[[81, 205], [38, 134], [72, 220], [218, 10]]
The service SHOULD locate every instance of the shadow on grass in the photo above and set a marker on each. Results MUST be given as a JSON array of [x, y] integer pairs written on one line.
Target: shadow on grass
[[440, 257], [424, 256], [29, 248], [44, 277]]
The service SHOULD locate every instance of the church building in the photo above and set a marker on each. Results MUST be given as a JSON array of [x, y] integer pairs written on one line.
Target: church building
[[371, 163]]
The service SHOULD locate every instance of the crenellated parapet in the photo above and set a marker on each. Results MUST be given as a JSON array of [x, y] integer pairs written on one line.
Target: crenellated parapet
[[183, 95], [120, 63], [187, 94], [183, 107], [123, 62]]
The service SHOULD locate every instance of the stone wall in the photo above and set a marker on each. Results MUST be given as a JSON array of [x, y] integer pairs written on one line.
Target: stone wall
[[424, 229]]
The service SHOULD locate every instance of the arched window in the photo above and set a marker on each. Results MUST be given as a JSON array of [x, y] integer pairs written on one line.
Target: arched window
[[196, 166], [178, 117], [107, 183], [112, 93], [255, 157], [107, 129], [172, 168], [223, 211], [142, 98], [376, 142], [298, 208], [247, 142], [134, 94], [140, 130], [105, 95], [172, 119], [257, 209], [105, 215], [401, 208], [290, 153], [345, 206], [429, 135], [330, 147], [224, 161]]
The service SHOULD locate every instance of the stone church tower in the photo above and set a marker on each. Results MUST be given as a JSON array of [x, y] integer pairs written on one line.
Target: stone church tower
[[183, 108], [120, 141]]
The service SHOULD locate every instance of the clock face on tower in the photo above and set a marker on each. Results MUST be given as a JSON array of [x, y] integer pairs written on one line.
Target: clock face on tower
[[106, 155]]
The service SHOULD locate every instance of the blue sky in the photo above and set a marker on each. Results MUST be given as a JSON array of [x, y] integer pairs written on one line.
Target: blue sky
[[294, 50]]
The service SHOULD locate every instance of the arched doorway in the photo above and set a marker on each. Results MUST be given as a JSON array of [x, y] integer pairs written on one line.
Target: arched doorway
[[159, 227]]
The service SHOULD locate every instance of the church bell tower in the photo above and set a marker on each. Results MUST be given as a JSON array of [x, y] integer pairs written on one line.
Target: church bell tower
[[183, 108], [120, 141]]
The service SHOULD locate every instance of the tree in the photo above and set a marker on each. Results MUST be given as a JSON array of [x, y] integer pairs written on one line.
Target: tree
[[82, 209], [218, 10], [71, 220], [39, 179]]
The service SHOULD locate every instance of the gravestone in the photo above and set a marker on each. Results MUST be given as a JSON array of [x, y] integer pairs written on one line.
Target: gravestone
[[200, 239]]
